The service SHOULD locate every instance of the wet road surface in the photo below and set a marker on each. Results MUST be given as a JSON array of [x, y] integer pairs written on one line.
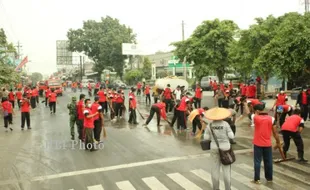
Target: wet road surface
[[133, 157]]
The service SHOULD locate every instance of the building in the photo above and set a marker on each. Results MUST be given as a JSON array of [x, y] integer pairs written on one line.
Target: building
[[165, 63]]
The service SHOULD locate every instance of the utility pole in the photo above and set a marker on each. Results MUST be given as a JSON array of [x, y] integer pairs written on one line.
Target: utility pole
[[306, 6], [19, 46], [184, 61]]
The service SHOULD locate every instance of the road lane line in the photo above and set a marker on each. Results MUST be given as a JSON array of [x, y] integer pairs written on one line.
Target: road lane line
[[183, 182], [154, 184], [116, 167], [296, 166], [95, 187], [282, 183], [125, 185], [202, 174], [247, 181]]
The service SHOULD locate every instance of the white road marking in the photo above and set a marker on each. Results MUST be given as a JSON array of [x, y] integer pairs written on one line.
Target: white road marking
[[122, 166], [183, 182], [154, 184], [247, 181], [95, 187], [296, 166], [280, 182], [125, 185], [207, 177]]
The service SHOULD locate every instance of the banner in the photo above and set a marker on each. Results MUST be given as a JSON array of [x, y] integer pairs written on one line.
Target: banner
[[24, 61]]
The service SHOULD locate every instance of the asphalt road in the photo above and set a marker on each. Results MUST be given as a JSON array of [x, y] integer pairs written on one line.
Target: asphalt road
[[133, 157]]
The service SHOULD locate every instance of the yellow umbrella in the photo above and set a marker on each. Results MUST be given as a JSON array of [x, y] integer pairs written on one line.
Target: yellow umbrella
[[192, 115]]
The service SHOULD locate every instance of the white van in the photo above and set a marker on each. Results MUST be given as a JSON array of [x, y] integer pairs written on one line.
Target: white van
[[205, 82]]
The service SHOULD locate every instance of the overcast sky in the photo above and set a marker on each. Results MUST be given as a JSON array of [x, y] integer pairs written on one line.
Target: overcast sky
[[37, 24]]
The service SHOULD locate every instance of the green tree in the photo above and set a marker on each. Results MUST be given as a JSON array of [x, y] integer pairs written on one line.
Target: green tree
[[133, 76], [201, 71], [209, 45], [147, 68], [36, 77], [102, 42]]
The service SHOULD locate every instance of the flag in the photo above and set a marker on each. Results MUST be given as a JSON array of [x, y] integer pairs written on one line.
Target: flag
[[22, 63]]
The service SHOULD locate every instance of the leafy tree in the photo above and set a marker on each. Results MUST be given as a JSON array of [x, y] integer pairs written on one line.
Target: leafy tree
[[134, 76], [162, 74], [147, 68], [201, 71], [209, 45], [36, 77], [102, 42]]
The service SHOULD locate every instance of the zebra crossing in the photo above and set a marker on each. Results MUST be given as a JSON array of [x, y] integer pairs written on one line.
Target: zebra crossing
[[241, 176]]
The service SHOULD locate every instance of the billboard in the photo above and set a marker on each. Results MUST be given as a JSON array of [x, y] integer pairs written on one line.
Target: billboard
[[64, 56], [131, 49]]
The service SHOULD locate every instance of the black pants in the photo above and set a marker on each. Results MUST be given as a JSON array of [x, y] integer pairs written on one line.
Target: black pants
[[95, 92], [154, 110], [175, 118], [112, 114], [25, 118], [196, 122], [104, 106], [8, 120], [219, 102], [118, 109], [239, 106], [155, 99], [138, 92], [80, 125], [97, 129], [18, 103], [148, 98], [13, 103], [225, 103], [283, 116], [37, 99], [182, 119], [132, 116], [33, 102], [304, 111], [89, 93], [287, 135], [197, 103], [52, 107], [46, 101], [168, 105], [89, 140]]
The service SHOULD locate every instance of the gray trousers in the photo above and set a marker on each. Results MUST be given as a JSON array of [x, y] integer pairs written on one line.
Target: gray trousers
[[215, 171]]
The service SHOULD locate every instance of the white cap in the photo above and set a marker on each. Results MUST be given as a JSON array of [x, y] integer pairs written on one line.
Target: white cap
[[248, 101], [281, 91]]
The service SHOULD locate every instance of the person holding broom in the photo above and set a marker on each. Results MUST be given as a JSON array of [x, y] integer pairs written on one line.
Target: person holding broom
[[196, 118], [160, 110]]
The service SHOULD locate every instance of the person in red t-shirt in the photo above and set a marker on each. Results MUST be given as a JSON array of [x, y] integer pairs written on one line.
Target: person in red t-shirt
[[103, 99], [52, 101], [160, 110], [80, 121], [166, 94], [33, 101], [25, 112], [98, 119], [132, 107], [303, 100], [291, 129], [139, 86], [119, 103], [282, 111], [47, 94], [182, 111], [264, 128], [7, 109], [198, 96], [19, 97], [147, 94], [89, 125], [11, 96]]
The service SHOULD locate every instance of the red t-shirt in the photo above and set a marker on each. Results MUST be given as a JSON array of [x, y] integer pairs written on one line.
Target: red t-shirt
[[262, 130], [281, 99], [147, 90], [11, 96], [47, 93], [88, 122], [95, 107], [132, 101], [254, 102], [7, 106], [80, 109], [292, 123], [25, 106], [19, 95], [162, 107], [35, 92], [53, 97], [198, 93], [201, 111], [167, 93], [119, 98], [102, 96], [182, 106], [29, 93]]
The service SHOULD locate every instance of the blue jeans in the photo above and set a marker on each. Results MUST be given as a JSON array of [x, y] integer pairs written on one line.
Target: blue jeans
[[264, 153]]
